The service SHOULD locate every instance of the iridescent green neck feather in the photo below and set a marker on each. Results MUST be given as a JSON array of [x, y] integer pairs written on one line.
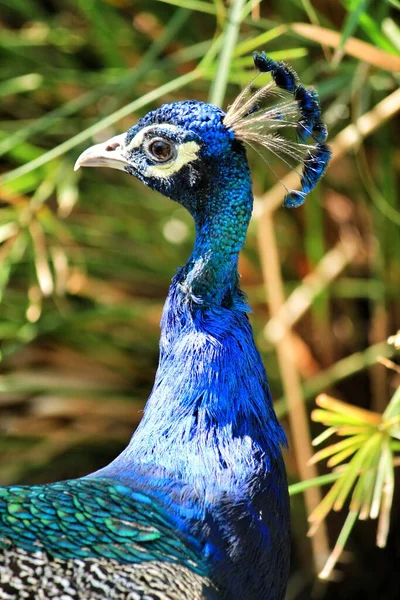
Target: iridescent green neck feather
[[221, 219]]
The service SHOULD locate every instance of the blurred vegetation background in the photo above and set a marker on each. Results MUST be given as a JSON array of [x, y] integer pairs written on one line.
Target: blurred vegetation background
[[86, 258]]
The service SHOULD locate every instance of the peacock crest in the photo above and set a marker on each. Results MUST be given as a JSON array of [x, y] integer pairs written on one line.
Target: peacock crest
[[294, 108]]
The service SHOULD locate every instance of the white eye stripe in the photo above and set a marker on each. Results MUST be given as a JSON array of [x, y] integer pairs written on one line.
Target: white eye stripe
[[139, 137], [186, 153]]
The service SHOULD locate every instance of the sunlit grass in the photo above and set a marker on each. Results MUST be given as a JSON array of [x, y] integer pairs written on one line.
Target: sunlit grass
[[365, 466]]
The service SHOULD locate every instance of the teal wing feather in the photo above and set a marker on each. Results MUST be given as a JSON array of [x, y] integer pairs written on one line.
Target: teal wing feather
[[90, 517], [91, 531]]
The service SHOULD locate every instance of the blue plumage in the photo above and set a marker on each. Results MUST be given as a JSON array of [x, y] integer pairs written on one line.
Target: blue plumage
[[254, 124], [284, 76], [309, 124], [197, 505], [307, 100], [93, 518], [314, 167]]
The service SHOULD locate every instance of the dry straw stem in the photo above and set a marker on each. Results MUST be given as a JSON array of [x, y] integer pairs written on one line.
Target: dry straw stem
[[329, 268], [395, 340], [354, 47], [291, 383], [389, 364]]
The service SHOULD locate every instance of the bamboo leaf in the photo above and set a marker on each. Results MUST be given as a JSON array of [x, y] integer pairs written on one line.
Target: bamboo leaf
[[7, 231], [385, 458], [324, 436], [365, 485], [354, 441], [341, 456], [301, 486], [355, 429], [393, 408], [326, 504], [259, 41], [354, 467], [347, 410], [340, 544], [386, 503], [370, 478], [335, 419], [196, 5]]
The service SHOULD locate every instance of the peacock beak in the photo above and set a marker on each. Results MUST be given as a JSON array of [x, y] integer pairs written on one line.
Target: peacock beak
[[107, 154]]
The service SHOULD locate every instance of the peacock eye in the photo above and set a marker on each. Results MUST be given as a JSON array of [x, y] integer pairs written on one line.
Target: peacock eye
[[161, 150]]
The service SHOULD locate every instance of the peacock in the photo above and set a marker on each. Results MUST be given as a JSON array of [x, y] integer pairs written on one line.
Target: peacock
[[196, 507]]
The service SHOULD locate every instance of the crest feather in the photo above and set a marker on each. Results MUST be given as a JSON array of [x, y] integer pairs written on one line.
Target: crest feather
[[297, 111]]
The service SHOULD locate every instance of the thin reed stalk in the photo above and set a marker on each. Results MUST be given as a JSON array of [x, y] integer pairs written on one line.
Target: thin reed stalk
[[220, 81], [299, 425]]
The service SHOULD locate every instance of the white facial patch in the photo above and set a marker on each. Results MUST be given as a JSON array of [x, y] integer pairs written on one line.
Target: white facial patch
[[186, 153], [139, 137]]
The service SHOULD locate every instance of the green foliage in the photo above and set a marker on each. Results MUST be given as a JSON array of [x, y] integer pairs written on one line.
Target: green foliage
[[370, 440]]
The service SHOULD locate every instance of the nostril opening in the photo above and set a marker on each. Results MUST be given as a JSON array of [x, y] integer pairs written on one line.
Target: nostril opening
[[113, 146]]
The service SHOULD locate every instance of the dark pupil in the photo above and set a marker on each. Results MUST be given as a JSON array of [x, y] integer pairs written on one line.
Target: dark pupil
[[161, 150]]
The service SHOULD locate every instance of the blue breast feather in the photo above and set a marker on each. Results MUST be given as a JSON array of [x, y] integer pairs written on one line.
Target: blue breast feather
[[209, 423], [219, 507]]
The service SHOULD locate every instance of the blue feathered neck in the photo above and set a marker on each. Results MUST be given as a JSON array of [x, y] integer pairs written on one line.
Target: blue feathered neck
[[209, 417], [221, 212]]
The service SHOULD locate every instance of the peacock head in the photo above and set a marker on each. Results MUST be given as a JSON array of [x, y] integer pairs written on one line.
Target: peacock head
[[183, 148], [174, 149]]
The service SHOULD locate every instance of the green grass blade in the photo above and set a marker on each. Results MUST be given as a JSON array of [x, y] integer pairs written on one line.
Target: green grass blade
[[352, 19], [218, 87], [384, 461], [353, 441], [196, 5], [127, 81], [301, 486], [137, 104], [361, 458], [259, 41], [340, 544]]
